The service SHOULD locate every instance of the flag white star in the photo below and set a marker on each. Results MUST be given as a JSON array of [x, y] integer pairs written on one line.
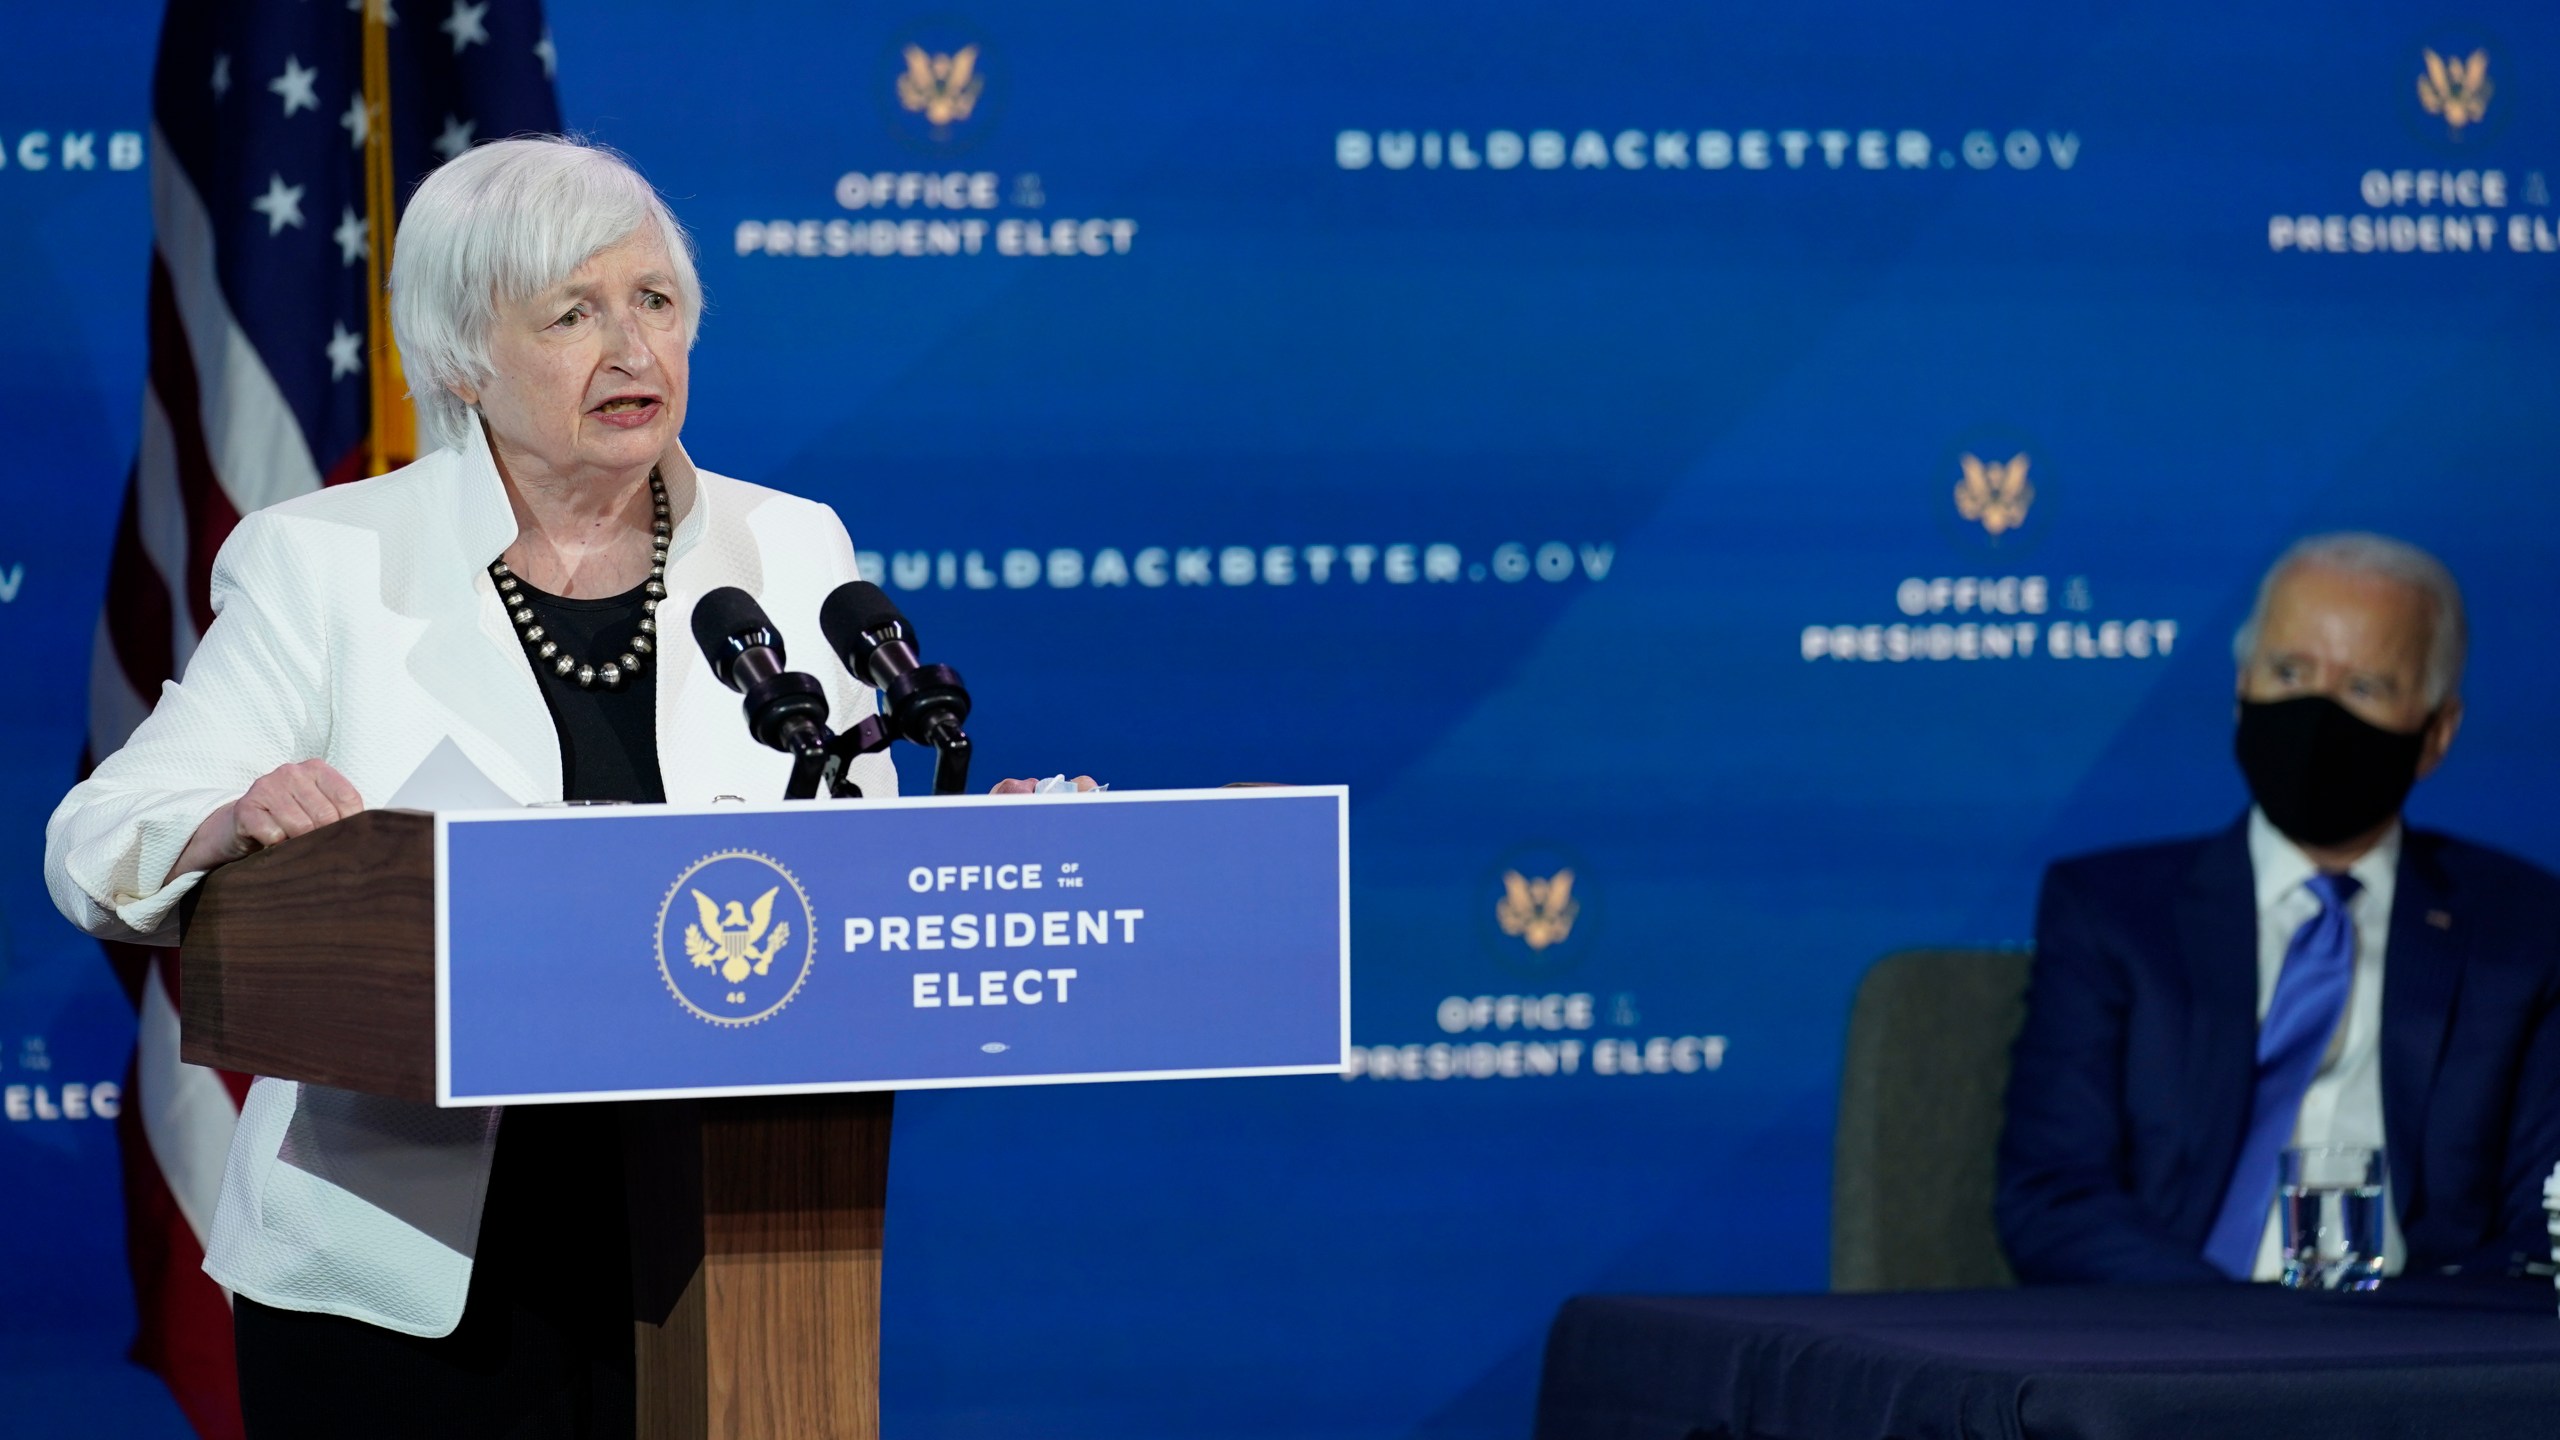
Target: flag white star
[[383, 8], [221, 76], [456, 137], [358, 121], [548, 54], [353, 234], [464, 24], [295, 86], [282, 205], [346, 352]]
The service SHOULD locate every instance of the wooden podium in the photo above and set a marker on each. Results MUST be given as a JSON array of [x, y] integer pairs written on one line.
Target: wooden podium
[[315, 961], [506, 958]]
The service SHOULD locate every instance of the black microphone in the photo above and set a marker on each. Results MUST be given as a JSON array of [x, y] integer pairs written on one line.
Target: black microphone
[[928, 703], [785, 709]]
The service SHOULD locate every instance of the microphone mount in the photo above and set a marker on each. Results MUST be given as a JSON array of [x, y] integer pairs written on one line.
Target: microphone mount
[[826, 764], [786, 709]]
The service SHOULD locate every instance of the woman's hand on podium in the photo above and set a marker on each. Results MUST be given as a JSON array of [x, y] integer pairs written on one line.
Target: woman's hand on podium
[[289, 800], [1026, 787]]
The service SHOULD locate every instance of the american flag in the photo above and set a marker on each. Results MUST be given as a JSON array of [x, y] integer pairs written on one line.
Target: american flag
[[286, 135]]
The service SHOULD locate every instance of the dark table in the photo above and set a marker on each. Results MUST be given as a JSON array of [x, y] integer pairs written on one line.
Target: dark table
[[2419, 1358]]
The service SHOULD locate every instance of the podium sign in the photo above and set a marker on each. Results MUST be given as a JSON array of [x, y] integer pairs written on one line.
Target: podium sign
[[610, 953]]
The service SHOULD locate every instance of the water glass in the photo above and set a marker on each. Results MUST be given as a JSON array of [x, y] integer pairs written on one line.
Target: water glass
[[2330, 1198]]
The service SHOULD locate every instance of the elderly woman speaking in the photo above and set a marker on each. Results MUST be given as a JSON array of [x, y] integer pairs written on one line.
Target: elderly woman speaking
[[399, 1269]]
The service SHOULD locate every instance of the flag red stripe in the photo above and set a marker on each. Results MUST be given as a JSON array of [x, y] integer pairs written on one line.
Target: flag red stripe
[[210, 516], [350, 466], [184, 1324], [139, 617]]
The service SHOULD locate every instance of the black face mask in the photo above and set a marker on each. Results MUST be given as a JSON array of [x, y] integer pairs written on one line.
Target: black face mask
[[2323, 775]]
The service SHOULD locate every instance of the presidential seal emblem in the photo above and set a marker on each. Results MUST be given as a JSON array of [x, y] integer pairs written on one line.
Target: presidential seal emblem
[[1538, 912], [1542, 913], [1995, 494], [736, 937], [1999, 500], [945, 85], [943, 89], [2460, 105], [2456, 89]]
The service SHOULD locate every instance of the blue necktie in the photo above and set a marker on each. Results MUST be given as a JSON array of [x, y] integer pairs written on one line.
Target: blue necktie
[[2311, 993]]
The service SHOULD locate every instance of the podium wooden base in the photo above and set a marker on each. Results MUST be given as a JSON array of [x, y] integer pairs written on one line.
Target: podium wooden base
[[777, 1336]]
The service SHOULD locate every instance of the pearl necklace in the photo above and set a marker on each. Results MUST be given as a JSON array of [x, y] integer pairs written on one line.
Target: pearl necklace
[[547, 651]]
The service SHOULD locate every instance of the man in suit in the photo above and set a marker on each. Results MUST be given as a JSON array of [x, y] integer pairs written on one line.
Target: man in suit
[[2316, 974]]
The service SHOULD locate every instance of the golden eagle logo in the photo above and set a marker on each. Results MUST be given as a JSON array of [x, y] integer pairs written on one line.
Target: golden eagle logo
[[729, 941], [730, 959], [941, 88], [1538, 912], [2458, 90], [1995, 494]]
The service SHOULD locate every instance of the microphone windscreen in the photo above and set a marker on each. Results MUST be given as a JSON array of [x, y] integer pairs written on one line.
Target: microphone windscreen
[[721, 614], [858, 607]]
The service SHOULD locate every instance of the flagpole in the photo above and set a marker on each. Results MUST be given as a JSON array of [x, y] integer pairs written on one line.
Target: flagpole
[[393, 434]]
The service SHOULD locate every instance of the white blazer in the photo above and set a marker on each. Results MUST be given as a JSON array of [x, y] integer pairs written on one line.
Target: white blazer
[[359, 625]]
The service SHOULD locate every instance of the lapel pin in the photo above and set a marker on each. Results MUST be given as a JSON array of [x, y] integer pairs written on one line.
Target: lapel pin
[[2440, 919]]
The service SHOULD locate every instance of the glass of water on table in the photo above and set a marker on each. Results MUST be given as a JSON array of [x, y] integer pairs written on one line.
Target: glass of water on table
[[2330, 1198]]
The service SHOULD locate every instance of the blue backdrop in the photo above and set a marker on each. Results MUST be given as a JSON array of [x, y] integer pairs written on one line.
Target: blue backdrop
[[1720, 453]]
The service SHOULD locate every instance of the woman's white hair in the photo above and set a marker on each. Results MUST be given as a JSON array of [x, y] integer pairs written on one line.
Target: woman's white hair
[[499, 224], [2362, 553]]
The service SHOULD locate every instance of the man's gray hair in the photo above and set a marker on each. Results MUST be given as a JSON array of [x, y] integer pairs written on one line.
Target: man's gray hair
[[2363, 553], [499, 224]]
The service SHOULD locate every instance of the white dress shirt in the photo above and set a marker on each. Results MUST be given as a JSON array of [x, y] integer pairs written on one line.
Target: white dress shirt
[[2344, 1104]]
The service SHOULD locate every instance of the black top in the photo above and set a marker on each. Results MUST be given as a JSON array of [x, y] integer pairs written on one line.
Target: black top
[[608, 738]]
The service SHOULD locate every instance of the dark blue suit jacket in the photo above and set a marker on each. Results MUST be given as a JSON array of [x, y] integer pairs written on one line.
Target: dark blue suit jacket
[[2131, 1079]]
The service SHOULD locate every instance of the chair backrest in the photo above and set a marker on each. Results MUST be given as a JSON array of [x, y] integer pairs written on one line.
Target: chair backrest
[[1915, 1159]]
